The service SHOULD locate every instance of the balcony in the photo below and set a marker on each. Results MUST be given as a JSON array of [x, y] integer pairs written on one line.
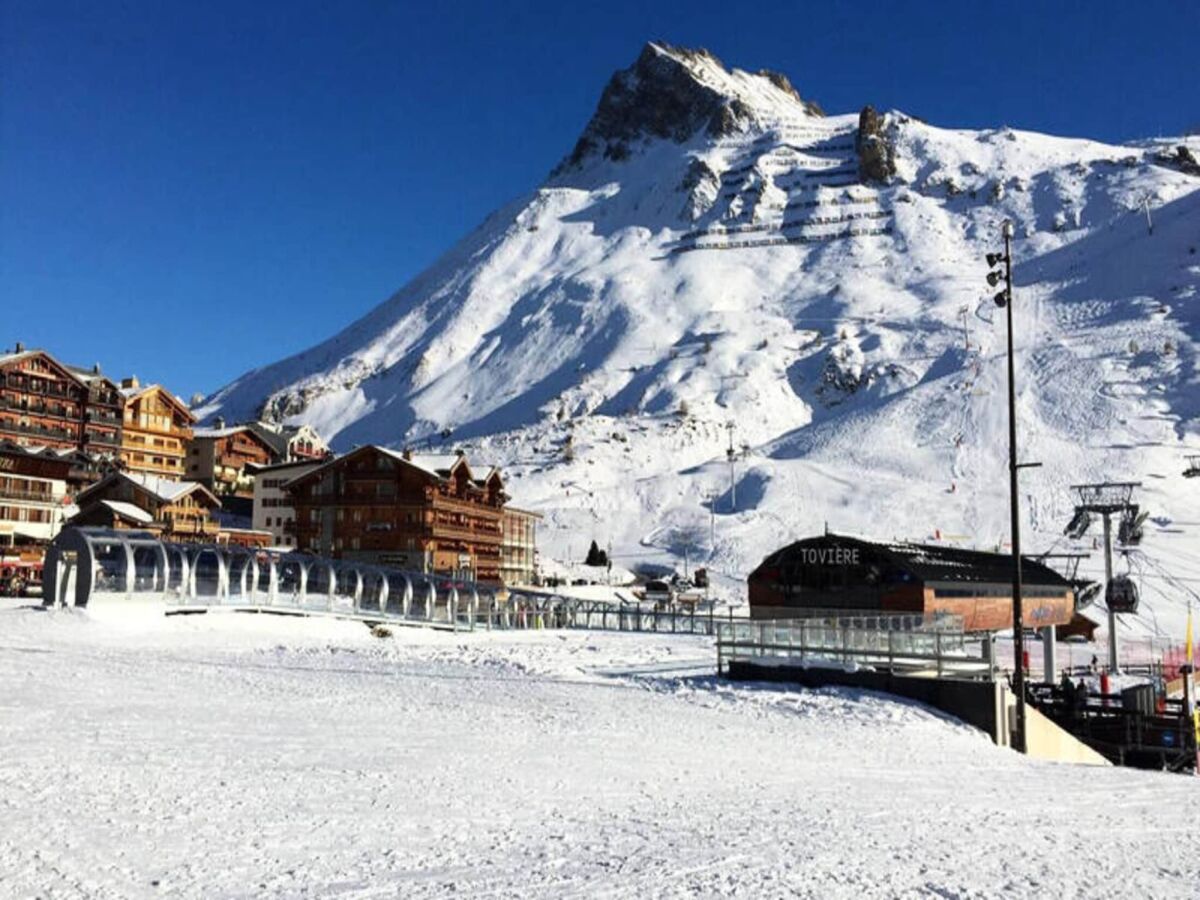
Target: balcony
[[38, 409], [184, 526], [43, 497], [102, 439], [463, 532], [40, 431], [445, 501]]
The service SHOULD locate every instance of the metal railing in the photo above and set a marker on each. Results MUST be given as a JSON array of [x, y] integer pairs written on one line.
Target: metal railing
[[851, 643]]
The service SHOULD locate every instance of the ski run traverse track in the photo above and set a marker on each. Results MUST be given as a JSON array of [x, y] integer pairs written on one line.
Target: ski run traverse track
[[231, 755]]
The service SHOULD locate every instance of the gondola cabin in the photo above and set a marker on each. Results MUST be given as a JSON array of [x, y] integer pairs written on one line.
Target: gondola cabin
[[856, 576]]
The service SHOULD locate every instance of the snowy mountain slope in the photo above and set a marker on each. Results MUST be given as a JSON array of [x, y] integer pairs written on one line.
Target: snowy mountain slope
[[710, 252]]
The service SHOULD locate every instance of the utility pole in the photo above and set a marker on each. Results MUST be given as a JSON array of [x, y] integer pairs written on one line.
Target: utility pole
[[729, 426], [1004, 299]]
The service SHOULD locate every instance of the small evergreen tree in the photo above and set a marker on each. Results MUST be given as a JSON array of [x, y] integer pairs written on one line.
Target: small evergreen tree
[[594, 555]]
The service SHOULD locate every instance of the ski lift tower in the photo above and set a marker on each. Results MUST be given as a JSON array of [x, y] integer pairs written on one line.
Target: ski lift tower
[[1105, 500]]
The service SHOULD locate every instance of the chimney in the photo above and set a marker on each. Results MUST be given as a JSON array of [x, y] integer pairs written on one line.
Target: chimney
[[96, 368], [219, 422], [130, 382], [406, 453], [20, 348]]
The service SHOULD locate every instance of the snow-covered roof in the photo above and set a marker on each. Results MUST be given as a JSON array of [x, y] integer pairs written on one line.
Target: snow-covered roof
[[9, 446], [439, 464], [164, 489], [128, 511], [218, 432], [6, 358], [131, 392]]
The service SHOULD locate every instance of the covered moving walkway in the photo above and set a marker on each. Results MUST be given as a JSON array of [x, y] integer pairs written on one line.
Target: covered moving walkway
[[99, 567]]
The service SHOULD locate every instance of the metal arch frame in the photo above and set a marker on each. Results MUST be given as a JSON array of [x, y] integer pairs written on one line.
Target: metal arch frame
[[263, 580]]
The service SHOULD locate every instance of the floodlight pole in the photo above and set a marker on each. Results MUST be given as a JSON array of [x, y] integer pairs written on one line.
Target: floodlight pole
[[1019, 743]]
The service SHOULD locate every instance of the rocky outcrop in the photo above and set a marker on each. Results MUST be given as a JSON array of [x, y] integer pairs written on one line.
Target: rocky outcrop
[[669, 93], [876, 152], [702, 185], [1182, 159], [782, 82]]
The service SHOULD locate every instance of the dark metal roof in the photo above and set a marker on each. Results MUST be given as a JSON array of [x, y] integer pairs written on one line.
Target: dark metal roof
[[929, 562]]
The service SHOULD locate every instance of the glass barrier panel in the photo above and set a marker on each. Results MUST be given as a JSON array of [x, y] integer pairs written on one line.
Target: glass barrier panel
[[177, 570], [401, 595], [291, 581], [149, 572], [242, 575], [262, 584], [347, 586], [374, 592], [111, 566], [206, 572]]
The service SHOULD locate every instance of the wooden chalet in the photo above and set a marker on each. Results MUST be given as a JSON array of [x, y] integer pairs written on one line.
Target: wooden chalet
[[46, 403], [839, 573], [218, 458], [292, 443], [156, 429], [178, 510], [424, 513]]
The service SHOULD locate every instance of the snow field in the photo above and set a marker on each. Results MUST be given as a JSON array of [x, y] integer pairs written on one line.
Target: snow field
[[235, 756]]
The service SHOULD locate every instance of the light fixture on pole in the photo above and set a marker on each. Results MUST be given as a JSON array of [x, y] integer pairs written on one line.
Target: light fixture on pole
[[1004, 300]]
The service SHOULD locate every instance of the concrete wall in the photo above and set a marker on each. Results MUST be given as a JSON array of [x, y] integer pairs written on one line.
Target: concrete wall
[[988, 705], [975, 702]]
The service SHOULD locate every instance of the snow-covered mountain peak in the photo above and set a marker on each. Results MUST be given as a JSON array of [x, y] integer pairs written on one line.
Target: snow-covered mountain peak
[[817, 281], [673, 93]]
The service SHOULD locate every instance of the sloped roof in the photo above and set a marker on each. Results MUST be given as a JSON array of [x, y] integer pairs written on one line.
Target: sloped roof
[[436, 465], [79, 373], [9, 446], [130, 393], [128, 511], [86, 375], [13, 357], [164, 489], [218, 432], [938, 563], [440, 464], [277, 440], [929, 562]]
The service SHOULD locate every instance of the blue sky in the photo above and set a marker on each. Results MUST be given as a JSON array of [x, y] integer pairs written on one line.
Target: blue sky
[[189, 190]]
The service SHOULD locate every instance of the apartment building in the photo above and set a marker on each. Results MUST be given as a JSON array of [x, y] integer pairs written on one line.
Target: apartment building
[[219, 458], [273, 509], [518, 546], [156, 429], [35, 490], [427, 513], [47, 403]]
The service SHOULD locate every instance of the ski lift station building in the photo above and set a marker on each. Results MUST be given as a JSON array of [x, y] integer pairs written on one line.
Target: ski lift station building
[[836, 572]]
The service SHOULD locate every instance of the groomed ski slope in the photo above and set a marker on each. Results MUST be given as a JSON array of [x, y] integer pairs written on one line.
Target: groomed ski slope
[[254, 756]]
